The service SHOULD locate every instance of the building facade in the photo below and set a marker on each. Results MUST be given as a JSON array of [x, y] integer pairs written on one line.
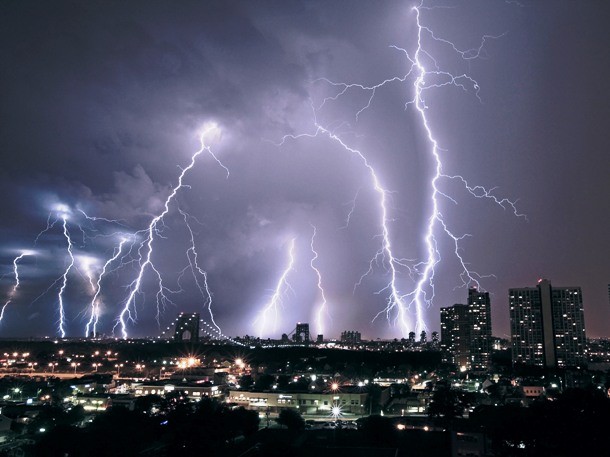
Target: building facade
[[352, 401], [351, 337], [466, 332], [547, 325], [479, 309], [455, 335]]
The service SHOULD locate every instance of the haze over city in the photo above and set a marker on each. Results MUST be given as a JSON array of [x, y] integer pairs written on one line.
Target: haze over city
[[106, 104]]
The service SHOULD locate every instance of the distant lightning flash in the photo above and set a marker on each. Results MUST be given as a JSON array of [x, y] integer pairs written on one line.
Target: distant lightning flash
[[60, 295], [196, 270], [145, 250], [422, 294], [323, 308], [282, 287], [13, 291], [95, 308]]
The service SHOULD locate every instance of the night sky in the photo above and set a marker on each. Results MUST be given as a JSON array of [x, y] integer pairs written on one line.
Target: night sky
[[102, 105]]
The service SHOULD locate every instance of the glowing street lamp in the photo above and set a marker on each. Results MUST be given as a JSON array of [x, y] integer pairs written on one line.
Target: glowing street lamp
[[336, 411]]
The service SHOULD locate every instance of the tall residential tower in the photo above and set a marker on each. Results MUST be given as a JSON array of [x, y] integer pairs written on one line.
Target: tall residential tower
[[466, 332], [547, 325]]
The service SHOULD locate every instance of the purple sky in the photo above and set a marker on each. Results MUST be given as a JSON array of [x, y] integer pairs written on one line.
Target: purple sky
[[103, 103]]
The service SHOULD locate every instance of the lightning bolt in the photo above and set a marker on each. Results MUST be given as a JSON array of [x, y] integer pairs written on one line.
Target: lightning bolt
[[192, 255], [145, 249], [385, 255], [423, 293], [94, 306], [282, 287], [13, 291], [60, 295], [426, 74], [322, 308]]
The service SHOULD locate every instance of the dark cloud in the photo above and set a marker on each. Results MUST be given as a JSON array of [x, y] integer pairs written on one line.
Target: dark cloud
[[103, 104]]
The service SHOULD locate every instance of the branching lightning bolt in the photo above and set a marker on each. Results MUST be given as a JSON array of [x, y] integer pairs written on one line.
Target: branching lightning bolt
[[282, 287], [197, 271], [95, 309], [384, 255], [13, 291], [423, 273], [60, 295], [322, 308], [145, 250]]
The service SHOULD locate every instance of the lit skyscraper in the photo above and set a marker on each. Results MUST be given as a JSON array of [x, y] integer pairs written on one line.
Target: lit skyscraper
[[466, 331], [455, 335], [479, 308], [547, 325]]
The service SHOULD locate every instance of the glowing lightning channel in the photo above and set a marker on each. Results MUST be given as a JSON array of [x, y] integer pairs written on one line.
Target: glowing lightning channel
[[95, 312], [282, 287], [146, 247], [384, 255], [192, 255], [13, 291], [323, 308], [60, 295], [422, 294]]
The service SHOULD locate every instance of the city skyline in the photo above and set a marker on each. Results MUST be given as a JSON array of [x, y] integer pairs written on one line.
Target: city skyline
[[228, 137]]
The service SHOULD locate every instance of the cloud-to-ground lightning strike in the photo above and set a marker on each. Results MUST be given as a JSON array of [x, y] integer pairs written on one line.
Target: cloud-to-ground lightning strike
[[191, 255], [145, 249], [60, 295], [282, 287], [422, 294], [13, 291], [384, 255], [322, 311], [95, 305]]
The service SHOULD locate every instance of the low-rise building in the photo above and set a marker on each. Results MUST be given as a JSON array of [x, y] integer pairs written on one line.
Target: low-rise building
[[194, 391], [350, 399]]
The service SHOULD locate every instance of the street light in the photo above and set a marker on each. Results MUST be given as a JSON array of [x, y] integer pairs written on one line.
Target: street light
[[118, 369], [74, 364], [53, 365]]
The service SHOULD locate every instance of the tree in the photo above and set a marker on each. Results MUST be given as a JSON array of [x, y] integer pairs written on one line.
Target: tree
[[291, 419], [264, 382], [445, 403]]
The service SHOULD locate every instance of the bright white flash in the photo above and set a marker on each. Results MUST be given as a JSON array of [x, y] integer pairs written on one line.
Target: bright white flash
[[13, 291], [145, 250], [322, 311], [272, 309]]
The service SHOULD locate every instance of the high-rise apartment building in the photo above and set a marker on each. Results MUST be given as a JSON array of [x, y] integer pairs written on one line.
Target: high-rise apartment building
[[351, 337], [466, 332], [455, 340], [547, 325], [479, 308]]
